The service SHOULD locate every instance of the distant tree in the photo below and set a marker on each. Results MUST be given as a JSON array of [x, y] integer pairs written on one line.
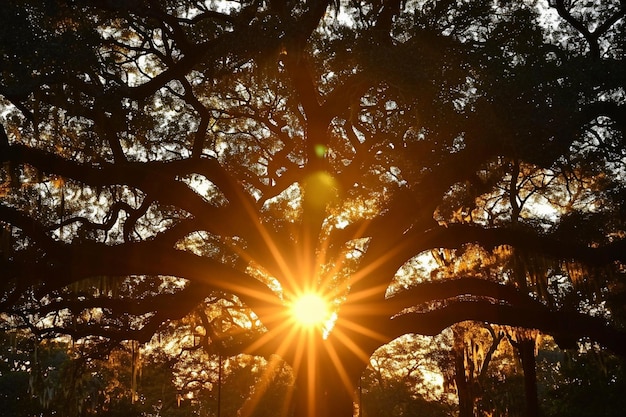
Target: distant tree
[[590, 382], [15, 364], [396, 399], [472, 351], [46, 378], [157, 154], [403, 380]]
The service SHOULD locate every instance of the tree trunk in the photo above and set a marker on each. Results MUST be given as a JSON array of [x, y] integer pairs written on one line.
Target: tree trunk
[[324, 389], [526, 349], [463, 385], [328, 399], [322, 393]]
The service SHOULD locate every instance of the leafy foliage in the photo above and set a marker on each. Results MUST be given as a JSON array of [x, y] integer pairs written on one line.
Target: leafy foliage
[[418, 163]]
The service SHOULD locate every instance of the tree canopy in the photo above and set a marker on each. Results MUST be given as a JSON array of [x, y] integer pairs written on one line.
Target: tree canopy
[[416, 163]]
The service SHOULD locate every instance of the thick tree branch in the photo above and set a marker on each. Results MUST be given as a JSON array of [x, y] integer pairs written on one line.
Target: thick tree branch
[[456, 235], [460, 287], [159, 180], [566, 327]]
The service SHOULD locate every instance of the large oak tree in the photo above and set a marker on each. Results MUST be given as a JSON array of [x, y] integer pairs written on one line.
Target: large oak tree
[[156, 153]]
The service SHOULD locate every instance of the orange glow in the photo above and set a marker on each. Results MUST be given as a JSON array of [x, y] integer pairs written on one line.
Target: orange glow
[[302, 327], [310, 310]]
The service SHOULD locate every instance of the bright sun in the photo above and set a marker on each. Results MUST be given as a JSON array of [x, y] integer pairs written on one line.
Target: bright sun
[[310, 310]]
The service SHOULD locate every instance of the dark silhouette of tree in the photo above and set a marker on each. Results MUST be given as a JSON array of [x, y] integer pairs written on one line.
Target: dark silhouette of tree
[[15, 379], [524, 342], [156, 153], [584, 383]]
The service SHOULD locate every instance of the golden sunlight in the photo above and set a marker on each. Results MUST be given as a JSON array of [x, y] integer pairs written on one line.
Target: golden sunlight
[[310, 310]]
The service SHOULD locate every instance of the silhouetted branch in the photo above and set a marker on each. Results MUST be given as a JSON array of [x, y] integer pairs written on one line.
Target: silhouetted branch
[[566, 327]]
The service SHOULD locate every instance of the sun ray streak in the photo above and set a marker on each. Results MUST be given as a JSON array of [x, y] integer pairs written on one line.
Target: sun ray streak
[[383, 260], [312, 375], [266, 339], [337, 362], [364, 331], [267, 239], [350, 344], [261, 387]]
